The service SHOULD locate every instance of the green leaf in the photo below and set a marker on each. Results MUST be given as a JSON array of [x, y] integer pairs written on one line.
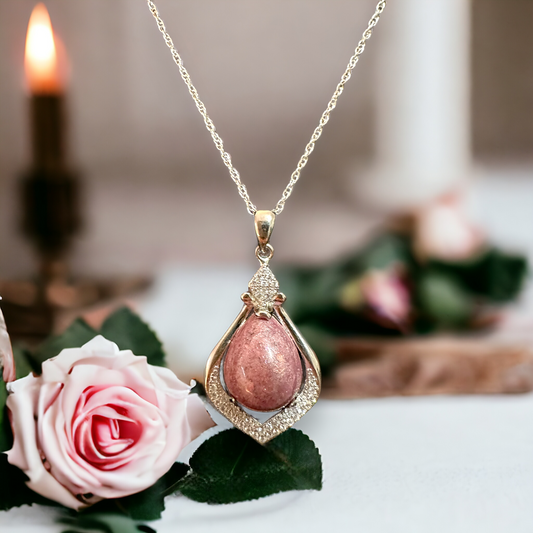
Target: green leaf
[[199, 389], [310, 290], [382, 252], [13, 489], [145, 505], [76, 335], [6, 435], [150, 503], [504, 274], [15, 493], [232, 467], [104, 523], [494, 275], [129, 332], [443, 300], [22, 361]]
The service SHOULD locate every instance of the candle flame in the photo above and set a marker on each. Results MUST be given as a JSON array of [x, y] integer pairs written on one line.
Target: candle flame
[[41, 61]]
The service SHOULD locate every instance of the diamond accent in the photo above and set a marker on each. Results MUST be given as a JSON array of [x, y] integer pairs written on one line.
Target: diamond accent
[[263, 289], [262, 432]]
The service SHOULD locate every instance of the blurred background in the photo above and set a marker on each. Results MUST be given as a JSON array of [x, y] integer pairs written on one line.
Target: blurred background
[[440, 103]]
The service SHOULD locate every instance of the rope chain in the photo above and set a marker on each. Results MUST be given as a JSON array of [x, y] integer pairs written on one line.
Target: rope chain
[[226, 157]]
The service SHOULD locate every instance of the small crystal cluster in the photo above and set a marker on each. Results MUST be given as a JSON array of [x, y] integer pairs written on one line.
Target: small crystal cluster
[[263, 288], [263, 432]]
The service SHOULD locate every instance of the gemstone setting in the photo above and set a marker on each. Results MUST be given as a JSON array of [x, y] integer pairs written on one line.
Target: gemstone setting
[[283, 418]]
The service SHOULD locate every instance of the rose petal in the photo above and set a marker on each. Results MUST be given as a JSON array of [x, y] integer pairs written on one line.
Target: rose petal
[[7, 361], [197, 416], [25, 452]]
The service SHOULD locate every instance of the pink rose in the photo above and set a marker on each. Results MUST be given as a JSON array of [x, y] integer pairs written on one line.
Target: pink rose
[[382, 294], [100, 423], [442, 231], [387, 296]]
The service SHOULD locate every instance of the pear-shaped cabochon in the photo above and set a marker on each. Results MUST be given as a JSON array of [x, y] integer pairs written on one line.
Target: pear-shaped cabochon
[[262, 367]]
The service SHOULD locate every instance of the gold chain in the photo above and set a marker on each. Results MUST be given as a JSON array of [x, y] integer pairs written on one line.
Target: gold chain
[[226, 158]]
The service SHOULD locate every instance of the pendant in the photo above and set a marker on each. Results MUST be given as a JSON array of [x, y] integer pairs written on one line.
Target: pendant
[[262, 364]]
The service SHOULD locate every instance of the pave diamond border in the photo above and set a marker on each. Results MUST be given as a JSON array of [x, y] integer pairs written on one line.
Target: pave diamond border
[[263, 289], [262, 432]]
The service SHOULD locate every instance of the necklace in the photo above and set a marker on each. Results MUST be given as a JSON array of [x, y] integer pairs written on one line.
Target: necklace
[[262, 363]]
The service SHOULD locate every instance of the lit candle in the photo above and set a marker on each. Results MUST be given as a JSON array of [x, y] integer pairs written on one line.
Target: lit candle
[[50, 190], [46, 85], [41, 58]]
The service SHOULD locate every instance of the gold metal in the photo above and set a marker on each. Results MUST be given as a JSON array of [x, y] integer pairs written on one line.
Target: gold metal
[[226, 157], [284, 418], [264, 256], [264, 224]]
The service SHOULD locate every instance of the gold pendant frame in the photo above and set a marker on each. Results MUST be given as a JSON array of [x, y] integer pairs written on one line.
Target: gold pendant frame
[[288, 415]]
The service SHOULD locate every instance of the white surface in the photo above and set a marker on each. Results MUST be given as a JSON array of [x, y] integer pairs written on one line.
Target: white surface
[[421, 465]]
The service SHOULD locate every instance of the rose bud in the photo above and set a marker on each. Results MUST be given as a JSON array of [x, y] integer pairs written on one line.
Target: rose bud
[[382, 294], [386, 294]]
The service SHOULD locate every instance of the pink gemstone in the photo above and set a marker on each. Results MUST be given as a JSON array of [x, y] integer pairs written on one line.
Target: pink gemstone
[[262, 368]]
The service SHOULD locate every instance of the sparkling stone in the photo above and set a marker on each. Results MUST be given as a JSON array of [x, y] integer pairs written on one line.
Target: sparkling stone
[[262, 368]]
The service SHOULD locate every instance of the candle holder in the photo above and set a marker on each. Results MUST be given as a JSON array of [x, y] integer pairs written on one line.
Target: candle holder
[[50, 197], [50, 190]]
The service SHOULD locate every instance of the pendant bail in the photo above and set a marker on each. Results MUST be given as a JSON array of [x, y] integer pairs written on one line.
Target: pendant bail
[[264, 224]]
